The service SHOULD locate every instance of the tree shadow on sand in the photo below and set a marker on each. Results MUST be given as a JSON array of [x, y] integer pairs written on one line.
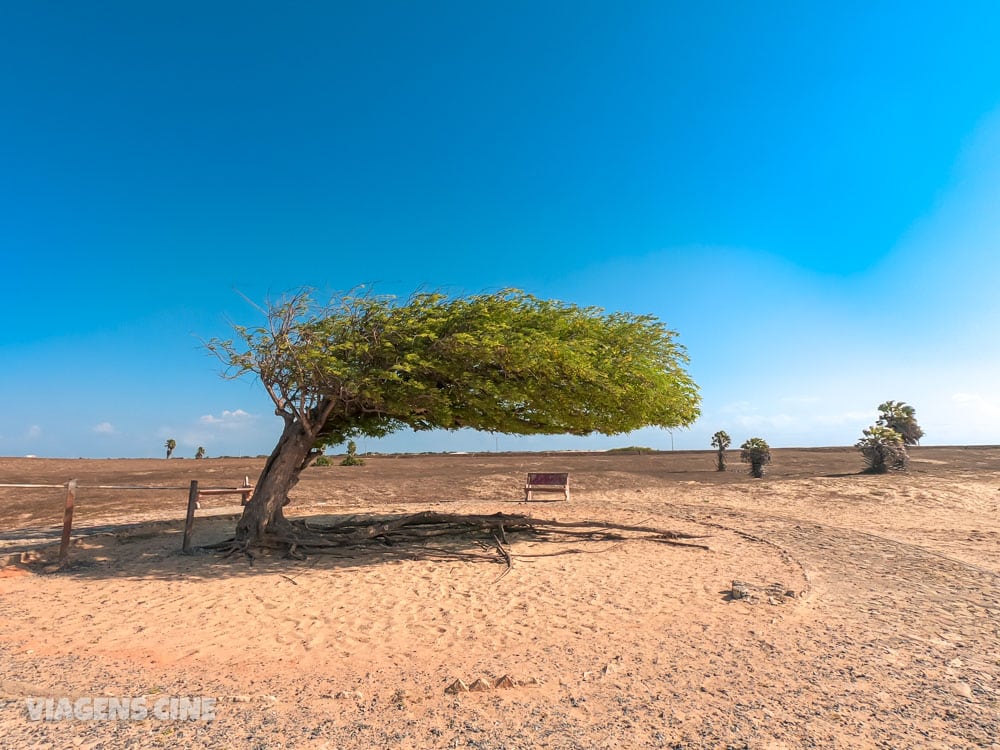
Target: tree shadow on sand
[[153, 549]]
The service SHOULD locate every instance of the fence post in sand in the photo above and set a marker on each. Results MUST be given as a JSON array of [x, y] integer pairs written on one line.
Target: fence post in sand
[[189, 521], [67, 521]]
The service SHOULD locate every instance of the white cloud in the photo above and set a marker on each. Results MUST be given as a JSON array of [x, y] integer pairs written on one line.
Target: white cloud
[[34, 432], [980, 406], [794, 420], [228, 419], [230, 432], [104, 428], [864, 418]]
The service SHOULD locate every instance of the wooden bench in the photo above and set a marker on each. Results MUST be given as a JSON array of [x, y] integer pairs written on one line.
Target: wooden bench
[[546, 482]]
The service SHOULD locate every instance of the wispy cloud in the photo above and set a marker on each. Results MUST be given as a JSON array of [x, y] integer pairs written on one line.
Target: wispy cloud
[[104, 428], [977, 404], [793, 416], [756, 421], [801, 400], [228, 420], [231, 431], [33, 432], [848, 417]]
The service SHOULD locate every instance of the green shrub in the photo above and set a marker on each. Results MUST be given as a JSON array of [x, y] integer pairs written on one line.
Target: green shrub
[[352, 455], [323, 461], [757, 453], [884, 449]]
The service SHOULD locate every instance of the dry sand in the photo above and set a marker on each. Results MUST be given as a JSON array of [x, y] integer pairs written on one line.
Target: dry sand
[[873, 619]]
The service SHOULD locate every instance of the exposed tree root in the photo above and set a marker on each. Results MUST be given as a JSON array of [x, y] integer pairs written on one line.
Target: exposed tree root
[[415, 534]]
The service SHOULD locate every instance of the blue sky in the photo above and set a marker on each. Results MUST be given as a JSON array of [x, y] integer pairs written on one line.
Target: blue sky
[[807, 194]]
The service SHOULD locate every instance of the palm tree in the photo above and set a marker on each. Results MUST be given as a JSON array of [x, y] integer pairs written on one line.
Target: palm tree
[[757, 453], [720, 441], [170, 445], [200, 453], [883, 449], [901, 417]]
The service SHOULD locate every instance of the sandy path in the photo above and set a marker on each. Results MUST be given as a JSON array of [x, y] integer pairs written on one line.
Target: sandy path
[[897, 638]]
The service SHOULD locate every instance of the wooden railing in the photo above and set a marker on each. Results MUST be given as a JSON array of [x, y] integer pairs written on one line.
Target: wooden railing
[[245, 491]]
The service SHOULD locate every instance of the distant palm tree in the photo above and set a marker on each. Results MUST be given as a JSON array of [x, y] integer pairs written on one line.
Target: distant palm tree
[[720, 441], [757, 453], [200, 453], [170, 445], [901, 417], [883, 449]]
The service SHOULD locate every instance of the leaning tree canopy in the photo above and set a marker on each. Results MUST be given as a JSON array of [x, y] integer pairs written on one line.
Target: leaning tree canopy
[[504, 362]]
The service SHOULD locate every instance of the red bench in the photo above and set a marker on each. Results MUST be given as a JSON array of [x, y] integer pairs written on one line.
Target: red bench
[[546, 482]]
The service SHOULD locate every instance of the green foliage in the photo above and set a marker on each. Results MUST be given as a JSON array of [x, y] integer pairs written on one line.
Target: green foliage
[[631, 449], [757, 453], [720, 441], [323, 461], [901, 417], [352, 455], [883, 449], [200, 453], [170, 445], [367, 365]]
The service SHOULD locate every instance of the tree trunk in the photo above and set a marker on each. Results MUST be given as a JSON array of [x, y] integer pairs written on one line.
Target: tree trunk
[[281, 472]]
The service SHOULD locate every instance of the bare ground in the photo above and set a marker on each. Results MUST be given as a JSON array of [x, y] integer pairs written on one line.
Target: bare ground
[[872, 621]]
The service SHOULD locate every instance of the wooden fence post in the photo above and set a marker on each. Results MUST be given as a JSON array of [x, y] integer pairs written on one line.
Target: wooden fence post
[[189, 521], [67, 521]]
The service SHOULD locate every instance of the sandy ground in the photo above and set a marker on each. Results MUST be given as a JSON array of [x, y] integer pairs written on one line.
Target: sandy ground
[[872, 621]]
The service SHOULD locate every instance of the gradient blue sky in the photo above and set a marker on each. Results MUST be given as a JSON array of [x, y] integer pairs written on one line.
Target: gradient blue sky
[[807, 192]]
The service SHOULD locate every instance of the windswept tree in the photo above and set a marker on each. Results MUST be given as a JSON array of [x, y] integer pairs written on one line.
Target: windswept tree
[[720, 441], [507, 362], [170, 445], [883, 449], [901, 417], [757, 453]]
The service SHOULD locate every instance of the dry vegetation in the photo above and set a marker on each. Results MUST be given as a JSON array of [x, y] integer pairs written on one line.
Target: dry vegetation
[[866, 613]]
